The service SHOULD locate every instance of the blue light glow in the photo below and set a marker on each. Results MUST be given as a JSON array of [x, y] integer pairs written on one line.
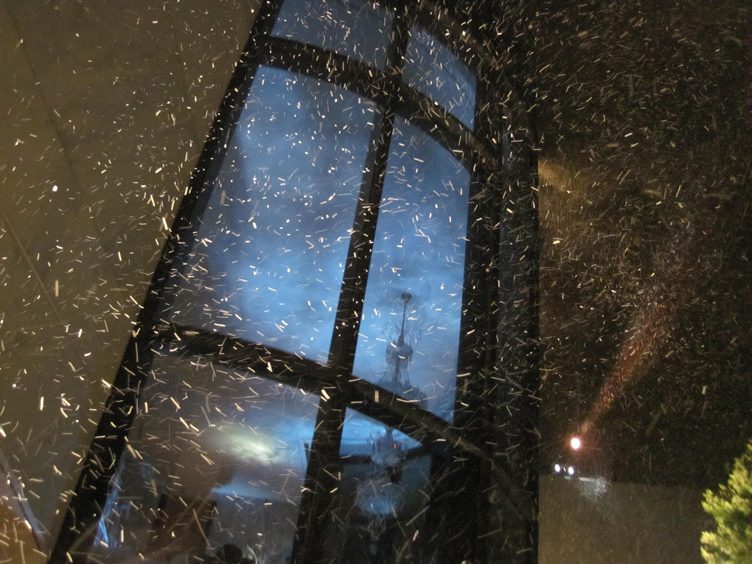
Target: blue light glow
[[419, 251], [272, 244]]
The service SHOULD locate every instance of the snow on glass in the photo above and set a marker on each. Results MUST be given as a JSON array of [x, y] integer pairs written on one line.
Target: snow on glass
[[417, 269], [266, 264], [210, 445], [433, 70], [356, 28], [273, 241]]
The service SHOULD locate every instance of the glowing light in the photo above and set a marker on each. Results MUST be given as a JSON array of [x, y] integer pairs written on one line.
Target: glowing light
[[570, 470], [575, 443], [557, 468]]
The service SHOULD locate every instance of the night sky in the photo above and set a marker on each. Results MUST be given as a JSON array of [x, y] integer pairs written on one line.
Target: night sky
[[646, 302]]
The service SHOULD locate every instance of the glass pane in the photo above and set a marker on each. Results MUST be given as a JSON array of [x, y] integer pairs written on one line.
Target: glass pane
[[356, 28], [362, 434], [432, 69], [409, 331], [269, 257], [215, 458], [383, 495]]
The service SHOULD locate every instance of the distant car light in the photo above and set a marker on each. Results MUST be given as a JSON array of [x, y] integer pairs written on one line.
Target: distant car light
[[570, 470], [557, 468]]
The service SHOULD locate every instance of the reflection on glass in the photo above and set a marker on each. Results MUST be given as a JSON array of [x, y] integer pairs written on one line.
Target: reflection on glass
[[271, 248], [432, 69], [360, 433], [215, 458], [356, 28], [409, 331], [383, 496]]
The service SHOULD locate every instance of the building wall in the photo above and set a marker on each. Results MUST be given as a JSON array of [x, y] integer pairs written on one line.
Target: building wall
[[103, 110], [603, 522]]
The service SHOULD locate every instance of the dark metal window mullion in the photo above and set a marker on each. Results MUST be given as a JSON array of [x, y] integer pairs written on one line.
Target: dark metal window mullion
[[454, 473], [474, 362], [471, 362], [312, 377], [194, 204], [382, 87]]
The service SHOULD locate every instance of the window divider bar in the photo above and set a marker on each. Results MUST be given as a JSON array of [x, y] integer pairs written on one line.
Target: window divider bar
[[352, 294], [286, 368], [322, 479], [383, 87]]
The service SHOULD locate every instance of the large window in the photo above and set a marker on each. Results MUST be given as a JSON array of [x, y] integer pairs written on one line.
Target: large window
[[313, 376]]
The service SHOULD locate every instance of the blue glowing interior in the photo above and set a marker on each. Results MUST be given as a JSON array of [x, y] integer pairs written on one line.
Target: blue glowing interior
[[360, 432], [270, 252], [419, 251], [228, 445]]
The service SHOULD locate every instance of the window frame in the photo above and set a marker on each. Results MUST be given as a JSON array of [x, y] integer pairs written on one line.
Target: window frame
[[489, 169]]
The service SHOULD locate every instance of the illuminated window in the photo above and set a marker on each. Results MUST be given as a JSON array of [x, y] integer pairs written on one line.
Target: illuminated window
[[314, 375], [273, 239]]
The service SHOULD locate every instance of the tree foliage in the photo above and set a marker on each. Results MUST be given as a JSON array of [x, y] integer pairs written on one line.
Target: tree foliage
[[731, 507]]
